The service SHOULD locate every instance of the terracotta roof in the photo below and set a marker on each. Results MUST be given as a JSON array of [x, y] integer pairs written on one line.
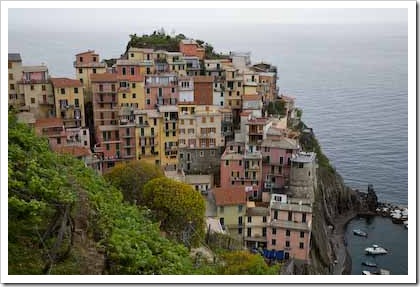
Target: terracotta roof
[[104, 77], [65, 83], [207, 79], [49, 122], [76, 151], [230, 195], [87, 52], [251, 98]]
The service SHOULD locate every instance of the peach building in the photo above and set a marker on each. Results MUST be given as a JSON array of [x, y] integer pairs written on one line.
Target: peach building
[[190, 47], [86, 64], [161, 90]]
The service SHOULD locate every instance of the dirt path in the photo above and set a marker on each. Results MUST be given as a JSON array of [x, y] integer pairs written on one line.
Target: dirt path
[[342, 265]]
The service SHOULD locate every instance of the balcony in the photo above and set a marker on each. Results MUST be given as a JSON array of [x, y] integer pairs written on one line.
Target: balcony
[[143, 124]]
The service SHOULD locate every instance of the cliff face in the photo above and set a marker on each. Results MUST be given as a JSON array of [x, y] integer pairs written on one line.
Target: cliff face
[[334, 205]]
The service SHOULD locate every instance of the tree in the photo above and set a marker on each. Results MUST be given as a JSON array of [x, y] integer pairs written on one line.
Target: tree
[[179, 208], [130, 178], [244, 263]]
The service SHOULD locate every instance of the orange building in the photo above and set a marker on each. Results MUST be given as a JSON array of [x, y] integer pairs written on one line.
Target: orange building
[[203, 90], [191, 48]]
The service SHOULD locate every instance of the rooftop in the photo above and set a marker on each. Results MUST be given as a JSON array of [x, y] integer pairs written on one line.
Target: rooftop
[[76, 151], [14, 57], [198, 178], [304, 157], [87, 52], [257, 211], [230, 195], [104, 77], [168, 108], [232, 156], [203, 79], [284, 143], [30, 69], [65, 82], [49, 122], [290, 225], [291, 207]]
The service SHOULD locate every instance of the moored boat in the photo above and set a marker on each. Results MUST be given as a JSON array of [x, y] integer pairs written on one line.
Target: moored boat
[[369, 264], [365, 272], [359, 232], [375, 250]]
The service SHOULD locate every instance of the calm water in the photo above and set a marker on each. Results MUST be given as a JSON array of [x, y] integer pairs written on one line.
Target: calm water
[[350, 80]]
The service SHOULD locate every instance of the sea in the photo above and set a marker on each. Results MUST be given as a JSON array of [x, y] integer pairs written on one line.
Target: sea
[[351, 80]]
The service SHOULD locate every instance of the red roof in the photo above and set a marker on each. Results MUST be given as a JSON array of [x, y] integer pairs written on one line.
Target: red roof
[[203, 79], [65, 83], [234, 195], [76, 151], [49, 122], [87, 52], [104, 77]]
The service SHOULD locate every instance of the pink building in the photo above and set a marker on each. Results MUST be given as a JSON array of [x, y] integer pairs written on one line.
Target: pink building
[[277, 155], [290, 227], [161, 90]]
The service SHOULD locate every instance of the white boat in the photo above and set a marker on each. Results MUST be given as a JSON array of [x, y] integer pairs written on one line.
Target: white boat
[[365, 272], [359, 232], [375, 250], [369, 264]]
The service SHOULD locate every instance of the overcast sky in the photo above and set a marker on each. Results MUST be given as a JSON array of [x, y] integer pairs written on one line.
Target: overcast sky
[[78, 19]]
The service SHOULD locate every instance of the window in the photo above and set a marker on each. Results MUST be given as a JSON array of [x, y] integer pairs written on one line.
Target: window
[[173, 90], [222, 209], [240, 220], [58, 140], [133, 85], [84, 132], [76, 103], [132, 55], [94, 70], [123, 95], [80, 59], [32, 100], [264, 218], [264, 231], [43, 87], [276, 214], [212, 119], [85, 142], [10, 65], [303, 217], [289, 216], [301, 246], [134, 96], [222, 221], [248, 232], [94, 59], [221, 103], [274, 231], [12, 86], [62, 91], [132, 70], [302, 234], [300, 165], [123, 71], [287, 243], [148, 91], [227, 163], [32, 87], [80, 71], [281, 160], [81, 81], [240, 208], [249, 219], [148, 103], [237, 93], [273, 242], [287, 232]]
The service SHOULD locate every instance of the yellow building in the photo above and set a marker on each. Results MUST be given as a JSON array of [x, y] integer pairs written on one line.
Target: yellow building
[[69, 104], [36, 90], [177, 63], [148, 127], [15, 74], [257, 219], [169, 137]]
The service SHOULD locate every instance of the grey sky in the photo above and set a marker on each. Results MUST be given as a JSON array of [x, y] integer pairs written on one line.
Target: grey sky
[[80, 19]]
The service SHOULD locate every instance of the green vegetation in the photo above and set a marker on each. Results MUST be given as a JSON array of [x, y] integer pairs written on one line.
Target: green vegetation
[[245, 263], [276, 108], [130, 178], [178, 207], [158, 40], [46, 191]]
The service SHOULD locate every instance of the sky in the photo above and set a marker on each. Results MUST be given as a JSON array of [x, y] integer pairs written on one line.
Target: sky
[[91, 19]]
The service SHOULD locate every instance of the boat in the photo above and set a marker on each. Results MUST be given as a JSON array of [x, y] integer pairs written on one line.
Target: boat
[[359, 232], [406, 224], [369, 264], [375, 250], [365, 272]]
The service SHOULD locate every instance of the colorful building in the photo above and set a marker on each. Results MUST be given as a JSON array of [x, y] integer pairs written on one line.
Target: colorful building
[[203, 90], [161, 89], [257, 219], [16, 99], [190, 47]]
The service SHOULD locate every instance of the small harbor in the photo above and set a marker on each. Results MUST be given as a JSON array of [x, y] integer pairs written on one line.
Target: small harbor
[[381, 232]]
